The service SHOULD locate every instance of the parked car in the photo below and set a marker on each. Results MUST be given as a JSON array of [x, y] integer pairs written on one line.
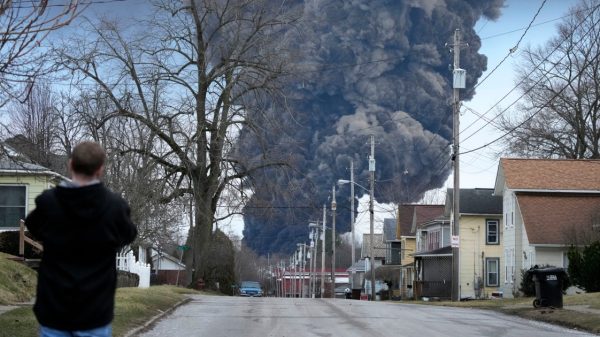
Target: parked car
[[341, 290], [251, 289]]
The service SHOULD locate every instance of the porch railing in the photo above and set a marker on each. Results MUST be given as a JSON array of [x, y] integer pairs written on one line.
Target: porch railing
[[23, 239], [440, 289]]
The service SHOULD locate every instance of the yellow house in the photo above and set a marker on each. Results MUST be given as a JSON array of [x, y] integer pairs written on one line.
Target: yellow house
[[481, 248], [20, 184]]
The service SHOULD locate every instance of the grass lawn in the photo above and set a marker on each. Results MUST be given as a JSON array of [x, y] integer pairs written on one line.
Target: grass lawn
[[580, 311], [17, 282], [134, 307]]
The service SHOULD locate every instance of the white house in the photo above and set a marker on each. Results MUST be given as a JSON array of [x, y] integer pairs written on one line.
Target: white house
[[167, 269], [548, 205]]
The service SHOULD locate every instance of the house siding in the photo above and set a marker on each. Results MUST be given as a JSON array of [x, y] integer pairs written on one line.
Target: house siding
[[473, 252], [553, 256], [508, 273], [35, 185], [409, 246]]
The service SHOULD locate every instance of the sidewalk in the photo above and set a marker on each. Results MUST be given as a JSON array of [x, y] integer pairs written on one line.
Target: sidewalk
[[6, 308]]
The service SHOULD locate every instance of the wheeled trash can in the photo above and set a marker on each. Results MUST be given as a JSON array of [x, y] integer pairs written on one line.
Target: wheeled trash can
[[548, 287]]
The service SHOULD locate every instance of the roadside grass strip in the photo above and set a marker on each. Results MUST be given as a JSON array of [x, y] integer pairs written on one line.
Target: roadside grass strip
[[580, 311], [134, 307]]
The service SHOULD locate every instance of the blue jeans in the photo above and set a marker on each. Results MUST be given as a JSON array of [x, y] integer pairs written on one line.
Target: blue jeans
[[103, 331]]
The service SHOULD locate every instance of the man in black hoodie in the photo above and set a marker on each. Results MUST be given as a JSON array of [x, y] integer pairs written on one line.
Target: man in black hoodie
[[82, 225]]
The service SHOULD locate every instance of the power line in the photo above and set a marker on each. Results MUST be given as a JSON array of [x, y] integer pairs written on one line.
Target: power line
[[33, 6], [536, 25], [513, 49], [533, 114], [527, 76]]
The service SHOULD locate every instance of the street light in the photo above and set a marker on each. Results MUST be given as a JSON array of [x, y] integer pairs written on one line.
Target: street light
[[314, 243], [371, 212], [333, 209], [352, 183], [302, 248]]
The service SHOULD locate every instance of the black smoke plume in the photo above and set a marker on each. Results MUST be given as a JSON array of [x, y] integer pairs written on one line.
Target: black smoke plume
[[363, 67]]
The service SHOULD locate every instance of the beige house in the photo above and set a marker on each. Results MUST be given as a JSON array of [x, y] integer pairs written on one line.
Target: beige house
[[548, 204], [410, 216]]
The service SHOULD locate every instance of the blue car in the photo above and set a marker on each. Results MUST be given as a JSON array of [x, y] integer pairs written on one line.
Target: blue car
[[251, 289]]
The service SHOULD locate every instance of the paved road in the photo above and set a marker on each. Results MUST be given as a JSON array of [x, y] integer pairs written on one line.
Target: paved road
[[214, 316]]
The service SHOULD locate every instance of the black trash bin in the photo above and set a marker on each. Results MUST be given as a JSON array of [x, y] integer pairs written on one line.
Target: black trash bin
[[548, 287]]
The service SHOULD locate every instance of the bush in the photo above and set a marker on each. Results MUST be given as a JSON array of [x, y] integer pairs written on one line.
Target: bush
[[527, 286], [127, 279], [583, 266]]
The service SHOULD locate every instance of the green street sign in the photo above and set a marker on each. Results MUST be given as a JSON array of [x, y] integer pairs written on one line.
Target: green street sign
[[183, 247]]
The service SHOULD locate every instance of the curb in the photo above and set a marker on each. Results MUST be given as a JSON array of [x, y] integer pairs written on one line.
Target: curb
[[133, 332]]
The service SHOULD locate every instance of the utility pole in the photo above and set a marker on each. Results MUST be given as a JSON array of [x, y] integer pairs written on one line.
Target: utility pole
[[301, 272], [314, 294], [352, 221], [333, 208], [323, 253], [458, 83], [372, 216], [295, 275]]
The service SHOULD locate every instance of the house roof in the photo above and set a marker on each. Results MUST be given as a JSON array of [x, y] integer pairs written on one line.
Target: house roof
[[444, 251], [378, 248], [27, 151], [554, 218], [358, 266], [389, 229], [548, 174], [411, 216], [15, 165], [475, 201]]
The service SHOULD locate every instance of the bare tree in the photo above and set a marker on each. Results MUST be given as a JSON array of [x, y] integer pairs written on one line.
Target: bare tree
[[24, 26], [34, 120], [560, 116], [190, 79]]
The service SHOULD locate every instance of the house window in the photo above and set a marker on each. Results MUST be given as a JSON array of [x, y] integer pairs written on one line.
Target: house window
[[434, 240], [492, 271], [506, 263], [12, 205], [492, 235]]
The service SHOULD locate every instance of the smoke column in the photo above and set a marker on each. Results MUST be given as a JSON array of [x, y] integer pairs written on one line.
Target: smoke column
[[364, 68]]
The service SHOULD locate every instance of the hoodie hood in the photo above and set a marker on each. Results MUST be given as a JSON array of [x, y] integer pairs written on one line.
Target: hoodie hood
[[84, 203]]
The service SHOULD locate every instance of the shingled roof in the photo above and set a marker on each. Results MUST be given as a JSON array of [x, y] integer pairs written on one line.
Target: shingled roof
[[553, 218], [411, 216], [548, 174], [475, 201]]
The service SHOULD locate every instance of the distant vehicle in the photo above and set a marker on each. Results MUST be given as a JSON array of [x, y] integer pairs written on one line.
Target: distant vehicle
[[251, 289], [341, 290]]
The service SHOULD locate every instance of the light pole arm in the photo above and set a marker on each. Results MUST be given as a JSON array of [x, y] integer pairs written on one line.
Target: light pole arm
[[343, 181]]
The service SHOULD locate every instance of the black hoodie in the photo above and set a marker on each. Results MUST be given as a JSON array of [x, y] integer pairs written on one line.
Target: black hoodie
[[82, 229]]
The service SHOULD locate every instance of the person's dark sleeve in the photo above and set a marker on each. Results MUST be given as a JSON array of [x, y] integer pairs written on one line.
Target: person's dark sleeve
[[35, 220], [128, 231]]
